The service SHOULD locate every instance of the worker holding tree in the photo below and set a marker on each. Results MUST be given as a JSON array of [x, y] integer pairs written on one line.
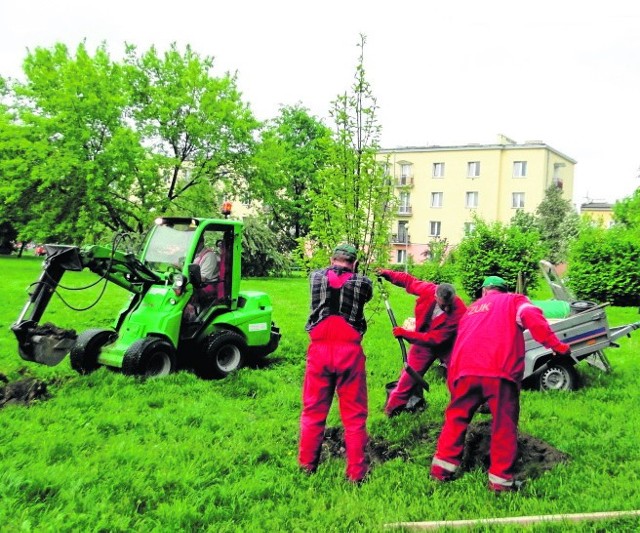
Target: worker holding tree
[[437, 313], [336, 362], [487, 365]]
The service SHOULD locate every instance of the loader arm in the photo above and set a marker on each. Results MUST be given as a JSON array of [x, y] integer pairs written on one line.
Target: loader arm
[[48, 344]]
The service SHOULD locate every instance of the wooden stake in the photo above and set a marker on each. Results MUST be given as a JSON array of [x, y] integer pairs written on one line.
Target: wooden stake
[[520, 520]]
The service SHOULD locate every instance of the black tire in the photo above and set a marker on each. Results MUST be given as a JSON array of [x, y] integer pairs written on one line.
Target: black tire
[[224, 353], [149, 357], [559, 376], [84, 354]]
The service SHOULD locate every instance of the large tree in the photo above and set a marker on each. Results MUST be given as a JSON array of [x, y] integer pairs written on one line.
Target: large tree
[[200, 129], [294, 149], [70, 144], [105, 146], [558, 224], [356, 199]]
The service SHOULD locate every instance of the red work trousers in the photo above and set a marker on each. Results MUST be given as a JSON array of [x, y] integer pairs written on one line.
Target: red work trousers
[[467, 394], [335, 363], [420, 360]]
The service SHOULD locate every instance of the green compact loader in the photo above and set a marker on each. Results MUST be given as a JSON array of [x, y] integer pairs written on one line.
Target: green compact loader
[[174, 318]]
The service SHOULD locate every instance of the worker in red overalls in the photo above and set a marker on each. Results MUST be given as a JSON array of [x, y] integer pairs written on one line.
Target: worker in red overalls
[[336, 362], [487, 365], [437, 313]]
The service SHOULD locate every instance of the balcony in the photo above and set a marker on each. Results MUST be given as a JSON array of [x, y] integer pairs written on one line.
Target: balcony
[[400, 238], [404, 181], [404, 210]]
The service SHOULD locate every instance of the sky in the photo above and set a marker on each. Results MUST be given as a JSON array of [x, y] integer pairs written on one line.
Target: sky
[[566, 72]]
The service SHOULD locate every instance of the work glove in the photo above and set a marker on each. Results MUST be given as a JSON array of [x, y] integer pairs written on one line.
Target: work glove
[[383, 274], [401, 332], [562, 349]]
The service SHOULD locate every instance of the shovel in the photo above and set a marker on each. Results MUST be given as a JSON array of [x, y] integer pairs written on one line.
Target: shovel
[[417, 378]]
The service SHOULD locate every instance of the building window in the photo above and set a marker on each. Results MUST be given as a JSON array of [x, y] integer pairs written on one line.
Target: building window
[[402, 256], [434, 228], [403, 228], [469, 227], [473, 169], [471, 199], [404, 205], [519, 169], [438, 170], [557, 180], [436, 199], [517, 200], [405, 171]]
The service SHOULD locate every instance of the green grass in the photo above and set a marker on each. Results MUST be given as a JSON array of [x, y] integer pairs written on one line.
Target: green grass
[[113, 453]]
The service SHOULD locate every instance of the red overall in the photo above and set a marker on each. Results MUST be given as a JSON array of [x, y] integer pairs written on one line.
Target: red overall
[[432, 339], [487, 365], [335, 364]]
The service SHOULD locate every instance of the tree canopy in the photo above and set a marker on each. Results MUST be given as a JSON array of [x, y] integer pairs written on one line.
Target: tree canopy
[[626, 212], [91, 145], [558, 223], [293, 150], [355, 201]]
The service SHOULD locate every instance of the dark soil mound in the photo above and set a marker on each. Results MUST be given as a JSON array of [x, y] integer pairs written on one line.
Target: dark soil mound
[[23, 391], [535, 456], [378, 450]]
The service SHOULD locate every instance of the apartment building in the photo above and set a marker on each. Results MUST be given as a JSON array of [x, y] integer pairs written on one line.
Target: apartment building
[[600, 212], [439, 187]]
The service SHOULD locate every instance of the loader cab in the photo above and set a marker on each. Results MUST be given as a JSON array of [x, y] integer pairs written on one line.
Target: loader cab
[[176, 244]]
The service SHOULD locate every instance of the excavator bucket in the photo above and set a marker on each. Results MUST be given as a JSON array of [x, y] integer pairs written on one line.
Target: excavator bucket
[[45, 344]]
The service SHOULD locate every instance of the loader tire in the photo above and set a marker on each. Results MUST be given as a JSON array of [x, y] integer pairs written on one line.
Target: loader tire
[[149, 357], [559, 376], [224, 353], [84, 354]]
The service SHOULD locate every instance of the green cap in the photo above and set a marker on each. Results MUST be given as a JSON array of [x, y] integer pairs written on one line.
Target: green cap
[[494, 281], [347, 250]]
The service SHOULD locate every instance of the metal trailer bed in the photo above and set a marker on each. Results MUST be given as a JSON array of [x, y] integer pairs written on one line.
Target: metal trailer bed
[[586, 329], [588, 333]]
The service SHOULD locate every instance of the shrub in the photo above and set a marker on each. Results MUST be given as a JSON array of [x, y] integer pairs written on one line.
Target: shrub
[[604, 265], [437, 273], [501, 250]]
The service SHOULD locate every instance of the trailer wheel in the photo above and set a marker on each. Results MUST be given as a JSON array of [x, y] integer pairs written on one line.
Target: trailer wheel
[[149, 357], [224, 353], [559, 376], [84, 354]]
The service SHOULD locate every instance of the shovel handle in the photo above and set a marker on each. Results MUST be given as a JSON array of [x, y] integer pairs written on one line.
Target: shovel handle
[[417, 378]]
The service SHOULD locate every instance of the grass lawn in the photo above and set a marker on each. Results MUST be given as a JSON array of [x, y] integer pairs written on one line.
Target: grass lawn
[[109, 452]]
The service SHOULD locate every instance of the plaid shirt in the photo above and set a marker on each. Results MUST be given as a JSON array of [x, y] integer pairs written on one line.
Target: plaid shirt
[[349, 299]]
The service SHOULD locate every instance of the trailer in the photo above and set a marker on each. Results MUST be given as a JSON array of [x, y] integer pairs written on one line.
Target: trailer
[[585, 328]]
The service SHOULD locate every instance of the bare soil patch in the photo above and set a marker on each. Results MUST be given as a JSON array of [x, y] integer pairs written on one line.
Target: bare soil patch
[[535, 456], [23, 391]]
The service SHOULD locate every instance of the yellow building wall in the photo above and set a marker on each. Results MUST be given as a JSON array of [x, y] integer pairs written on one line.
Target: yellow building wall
[[494, 186], [602, 217]]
